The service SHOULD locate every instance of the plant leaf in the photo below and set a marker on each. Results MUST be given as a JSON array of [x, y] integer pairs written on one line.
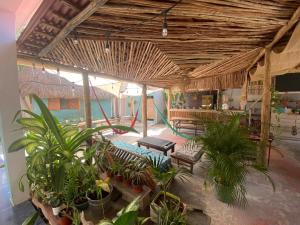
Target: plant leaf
[[31, 219]]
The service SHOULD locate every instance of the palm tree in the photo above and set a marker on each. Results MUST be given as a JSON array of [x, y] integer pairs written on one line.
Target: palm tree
[[230, 155]]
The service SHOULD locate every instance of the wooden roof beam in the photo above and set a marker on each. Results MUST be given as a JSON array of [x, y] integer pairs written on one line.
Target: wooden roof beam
[[79, 18], [283, 30], [70, 5]]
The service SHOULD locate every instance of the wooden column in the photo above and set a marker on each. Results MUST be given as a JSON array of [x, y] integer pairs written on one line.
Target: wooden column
[[265, 109], [144, 110], [219, 99], [87, 100], [169, 103]]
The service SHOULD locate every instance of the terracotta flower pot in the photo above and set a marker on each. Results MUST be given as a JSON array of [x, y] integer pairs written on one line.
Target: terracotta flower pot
[[64, 220], [127, 183], [137, 188], [109, 174], [119, 178]]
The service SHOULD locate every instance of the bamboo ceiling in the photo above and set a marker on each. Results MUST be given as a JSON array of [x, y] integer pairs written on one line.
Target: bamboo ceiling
[[47, 85], [206, 38]]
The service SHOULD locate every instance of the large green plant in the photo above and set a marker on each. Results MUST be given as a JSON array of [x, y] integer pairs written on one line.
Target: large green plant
[[230, 154], [51, 147]]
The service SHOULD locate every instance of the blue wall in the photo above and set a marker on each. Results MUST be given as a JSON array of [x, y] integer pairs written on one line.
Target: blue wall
[[74, 115], [158, 99]]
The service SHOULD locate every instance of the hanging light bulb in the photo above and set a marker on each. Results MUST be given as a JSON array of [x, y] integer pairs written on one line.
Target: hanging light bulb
[[73, 89], [107, 50], [43, 69], [75, 40], [165, 26], [58, 74]]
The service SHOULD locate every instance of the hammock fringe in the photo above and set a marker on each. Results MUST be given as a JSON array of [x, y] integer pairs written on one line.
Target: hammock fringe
[[166, 122]]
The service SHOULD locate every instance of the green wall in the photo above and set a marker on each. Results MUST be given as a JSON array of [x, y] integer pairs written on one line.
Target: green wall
[[73, 115]]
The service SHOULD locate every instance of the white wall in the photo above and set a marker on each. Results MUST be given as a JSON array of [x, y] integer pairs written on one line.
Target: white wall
[[10, 104], [235, 95]]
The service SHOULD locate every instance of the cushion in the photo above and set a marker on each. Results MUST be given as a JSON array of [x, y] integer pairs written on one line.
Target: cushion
[[166, 161], [191, 150]]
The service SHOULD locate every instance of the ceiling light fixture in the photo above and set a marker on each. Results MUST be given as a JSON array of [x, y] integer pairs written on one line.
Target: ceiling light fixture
[[165, 26], [107, 49], [75, 41], [43, 69]]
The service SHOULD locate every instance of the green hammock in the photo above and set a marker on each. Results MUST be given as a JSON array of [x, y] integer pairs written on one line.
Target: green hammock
[[166, 122]]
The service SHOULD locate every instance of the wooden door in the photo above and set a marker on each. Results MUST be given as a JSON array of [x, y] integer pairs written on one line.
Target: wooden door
[[150, 108]]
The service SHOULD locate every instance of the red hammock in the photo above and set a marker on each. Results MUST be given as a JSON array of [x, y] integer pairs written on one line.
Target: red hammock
[[106, 118]]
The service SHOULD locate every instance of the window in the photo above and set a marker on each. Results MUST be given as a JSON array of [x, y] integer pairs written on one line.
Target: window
[[69, 103], [53, 103]]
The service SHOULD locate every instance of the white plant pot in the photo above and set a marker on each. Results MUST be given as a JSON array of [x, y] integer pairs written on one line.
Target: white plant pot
[[56, 210]]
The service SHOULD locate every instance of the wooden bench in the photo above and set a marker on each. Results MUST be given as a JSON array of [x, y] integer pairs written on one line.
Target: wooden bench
[[188, 124]]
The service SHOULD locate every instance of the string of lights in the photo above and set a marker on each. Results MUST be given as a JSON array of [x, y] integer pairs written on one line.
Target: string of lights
[[164, 12]]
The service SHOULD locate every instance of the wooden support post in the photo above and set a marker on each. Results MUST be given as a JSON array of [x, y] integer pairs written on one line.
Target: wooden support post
[[169, 103], [87, 100], [265, 109], [219, 99], [144, 110]]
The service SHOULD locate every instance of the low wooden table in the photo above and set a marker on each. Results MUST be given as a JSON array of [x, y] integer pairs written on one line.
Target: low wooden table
[[157, 143]]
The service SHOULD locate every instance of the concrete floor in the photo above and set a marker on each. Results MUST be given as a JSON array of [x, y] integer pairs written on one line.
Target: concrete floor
[[265, 207]]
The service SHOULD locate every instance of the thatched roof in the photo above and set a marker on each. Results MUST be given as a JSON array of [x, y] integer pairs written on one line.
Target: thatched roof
[[47, 85], [206, 38]]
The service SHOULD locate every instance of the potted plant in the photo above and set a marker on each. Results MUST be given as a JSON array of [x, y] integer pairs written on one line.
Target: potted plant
[[65, 216], [55, 203], [127, 215], [127, 174], [171, 215], [230, 155], [100, 193], [117, 170], [164, 177], [138, 176], [46, 140]]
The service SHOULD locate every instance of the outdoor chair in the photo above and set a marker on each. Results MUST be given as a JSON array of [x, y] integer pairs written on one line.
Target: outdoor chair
[[188, 155]]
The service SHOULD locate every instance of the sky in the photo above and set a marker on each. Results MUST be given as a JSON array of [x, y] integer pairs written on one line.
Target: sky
[[132, 89], [77, 78]]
